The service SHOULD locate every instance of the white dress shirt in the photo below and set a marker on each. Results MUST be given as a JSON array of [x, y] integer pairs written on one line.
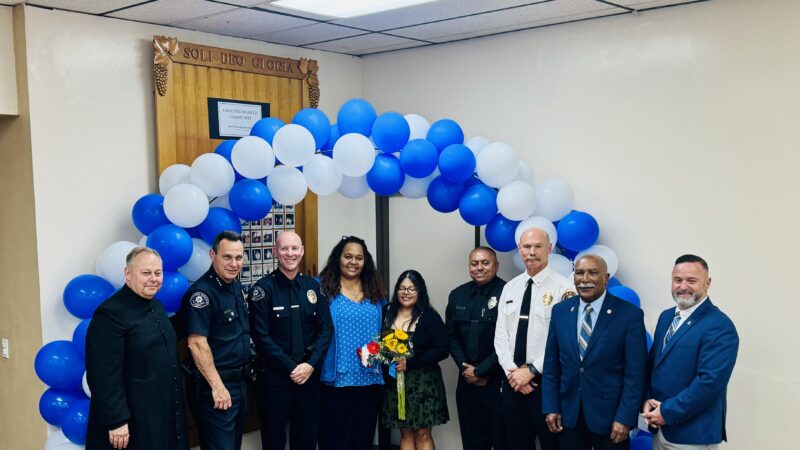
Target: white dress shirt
[[547, 289], [685, 313]]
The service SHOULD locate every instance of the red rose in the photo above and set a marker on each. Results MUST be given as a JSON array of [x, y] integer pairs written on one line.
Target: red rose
[[373, 348]]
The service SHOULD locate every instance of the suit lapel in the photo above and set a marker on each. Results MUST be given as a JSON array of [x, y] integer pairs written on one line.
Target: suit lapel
[[604, 317], [572, 320], [690, 322]]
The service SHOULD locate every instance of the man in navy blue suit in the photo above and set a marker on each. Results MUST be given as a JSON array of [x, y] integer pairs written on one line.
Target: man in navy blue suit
[[594, 364], [694, 351]]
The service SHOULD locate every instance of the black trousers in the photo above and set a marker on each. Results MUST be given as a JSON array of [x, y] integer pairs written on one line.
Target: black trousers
[[350, 416], [282, 402], [217, 429], [480, 415], [524, 420], [581, 438]]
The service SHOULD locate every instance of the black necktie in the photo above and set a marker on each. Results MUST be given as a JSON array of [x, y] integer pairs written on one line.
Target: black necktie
[[521, 346], [297, 329]]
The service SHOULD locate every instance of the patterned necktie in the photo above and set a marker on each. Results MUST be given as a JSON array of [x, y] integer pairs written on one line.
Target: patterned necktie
[[586, 331], [672, 328]]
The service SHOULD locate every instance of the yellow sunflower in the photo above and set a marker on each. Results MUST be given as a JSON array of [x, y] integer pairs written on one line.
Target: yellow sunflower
[[402, 349], [400, 334], [391, 344]]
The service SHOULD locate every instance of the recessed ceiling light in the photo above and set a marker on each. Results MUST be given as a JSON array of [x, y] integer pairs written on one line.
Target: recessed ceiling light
[[346, 8]]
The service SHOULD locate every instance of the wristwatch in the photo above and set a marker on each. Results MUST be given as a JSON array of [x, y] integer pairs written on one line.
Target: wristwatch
[[533, 370]]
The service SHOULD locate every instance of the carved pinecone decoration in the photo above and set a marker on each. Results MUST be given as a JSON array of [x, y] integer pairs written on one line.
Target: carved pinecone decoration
[[313, 95], [160, 73]]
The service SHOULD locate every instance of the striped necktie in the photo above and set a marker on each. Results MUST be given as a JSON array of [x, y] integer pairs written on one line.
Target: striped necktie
[[672, 328], [586, 331]]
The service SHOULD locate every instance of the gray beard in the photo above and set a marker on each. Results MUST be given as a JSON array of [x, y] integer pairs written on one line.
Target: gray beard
[[684, 303]]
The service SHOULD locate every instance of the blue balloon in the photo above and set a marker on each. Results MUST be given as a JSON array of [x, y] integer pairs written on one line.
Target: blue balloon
[[569, 254], [613, 281], [266, 128], [334, 136], [79, 337], [250, 199], [386, 177], [577, 231], [58, 364], [500, 233], [649, 338], [225, 149], [173, 243], [316, 122], [194, 232], [390, 132], [217, 221], [457, 163], [84, 293], [148, 213], [445, 132], [419, 158], [75, 422], [478, 205], [443, 196], [54, 404], [642, 442], [356, 116], [172, 289], [625, 293]]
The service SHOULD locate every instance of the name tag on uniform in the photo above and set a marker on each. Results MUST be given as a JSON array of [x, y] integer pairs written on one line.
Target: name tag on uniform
[[295, 306], [277, 308]]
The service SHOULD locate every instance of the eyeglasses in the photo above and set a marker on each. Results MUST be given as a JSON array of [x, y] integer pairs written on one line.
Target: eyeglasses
[[407, 290]]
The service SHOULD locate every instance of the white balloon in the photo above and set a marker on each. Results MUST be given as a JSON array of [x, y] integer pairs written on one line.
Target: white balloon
[[354, 187], [85, 385], [516, 200], [416, 187], [322, 176], [418, 126], [287, 184], [186, 205], [353, 154], [110, 264], [294, 145], [213, 174], [540, 223], [497, 164], [221, 202], [253, 157], [476, 144], [555, 199], [560, 264], [55, 440], [608, 255], [173, 176], [199, 262], [525, 172]]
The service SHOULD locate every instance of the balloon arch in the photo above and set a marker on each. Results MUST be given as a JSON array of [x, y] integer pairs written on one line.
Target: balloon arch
[[485, 181]]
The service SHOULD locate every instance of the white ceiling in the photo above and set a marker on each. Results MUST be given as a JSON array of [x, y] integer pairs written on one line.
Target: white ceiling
[[416, 26]]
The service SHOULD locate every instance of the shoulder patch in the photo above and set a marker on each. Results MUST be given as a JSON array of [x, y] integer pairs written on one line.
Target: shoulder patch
[[199, 300], [568, 294], [258, 293]]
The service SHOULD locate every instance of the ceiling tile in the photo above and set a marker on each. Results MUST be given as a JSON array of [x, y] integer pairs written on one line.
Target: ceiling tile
[[358, 43], [510, 19], [645, 4], [244, 22], [86, 6], [308, 34], [427, 12], [167, 12], [388, 48], [293, 12]]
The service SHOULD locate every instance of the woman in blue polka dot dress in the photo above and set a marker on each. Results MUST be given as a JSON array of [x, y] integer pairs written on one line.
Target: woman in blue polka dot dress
[[351, 393]]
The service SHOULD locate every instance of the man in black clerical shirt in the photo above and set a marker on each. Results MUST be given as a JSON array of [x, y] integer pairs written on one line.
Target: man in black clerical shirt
[[471, 315]]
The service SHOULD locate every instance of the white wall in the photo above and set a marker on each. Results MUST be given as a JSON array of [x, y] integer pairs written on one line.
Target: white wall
[[8, 76], [676, 130]]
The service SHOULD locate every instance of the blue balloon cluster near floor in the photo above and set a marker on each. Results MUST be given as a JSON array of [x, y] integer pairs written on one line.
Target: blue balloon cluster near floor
[[79, 337], [54, 404], [148, 213], [58, 364], [76, 421], [173, 243], [175, 284], [84, 293]]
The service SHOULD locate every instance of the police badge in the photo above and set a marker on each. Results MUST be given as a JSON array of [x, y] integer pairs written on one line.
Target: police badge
[[258, 293], [312, 296], [492, 302], [547, 299], [199, 300]]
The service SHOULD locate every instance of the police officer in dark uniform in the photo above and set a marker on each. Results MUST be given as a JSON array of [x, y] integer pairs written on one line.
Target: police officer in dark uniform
[[292, 329], [470, 317], [215, 316]]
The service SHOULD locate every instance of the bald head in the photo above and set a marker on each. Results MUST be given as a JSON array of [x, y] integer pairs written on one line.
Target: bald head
[[534, 247], [290, 251]]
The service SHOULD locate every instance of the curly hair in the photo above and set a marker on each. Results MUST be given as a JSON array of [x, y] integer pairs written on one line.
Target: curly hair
[[331, 274]]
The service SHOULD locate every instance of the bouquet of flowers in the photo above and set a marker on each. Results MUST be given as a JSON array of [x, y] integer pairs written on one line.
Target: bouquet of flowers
[[393, 347]]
